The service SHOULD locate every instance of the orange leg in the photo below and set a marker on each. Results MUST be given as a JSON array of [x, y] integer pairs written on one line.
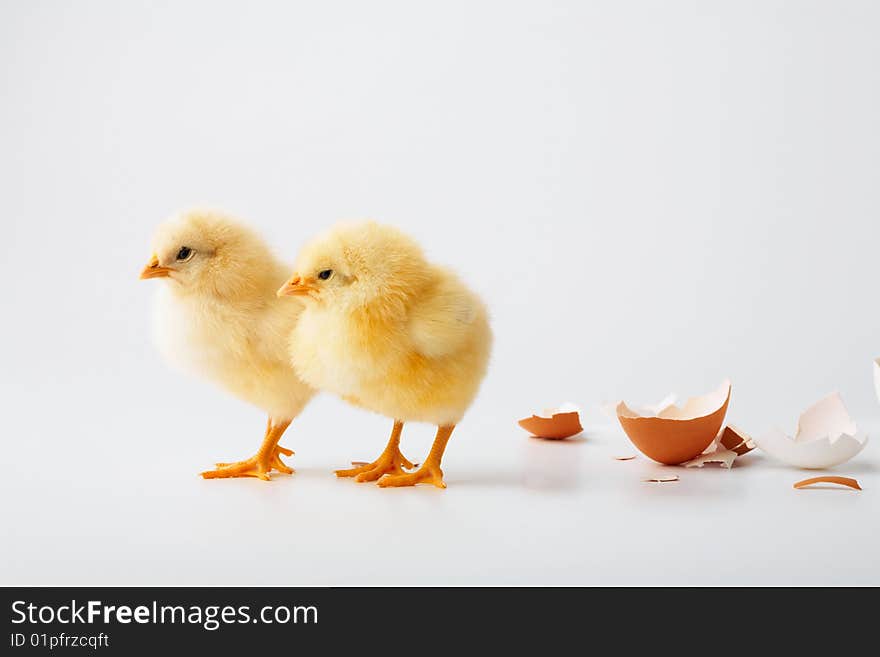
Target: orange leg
[[390, 461], [430, 472], [263, 462]]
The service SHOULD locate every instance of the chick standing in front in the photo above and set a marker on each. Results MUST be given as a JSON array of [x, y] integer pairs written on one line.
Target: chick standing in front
[[389, 331], [217, 315]]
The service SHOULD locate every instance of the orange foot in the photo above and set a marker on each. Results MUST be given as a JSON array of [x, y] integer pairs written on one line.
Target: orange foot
[[391, 461], [257, 466], [427, 474]]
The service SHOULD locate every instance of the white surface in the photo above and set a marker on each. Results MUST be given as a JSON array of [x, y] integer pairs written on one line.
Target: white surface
[[517, 511], [650, 197]]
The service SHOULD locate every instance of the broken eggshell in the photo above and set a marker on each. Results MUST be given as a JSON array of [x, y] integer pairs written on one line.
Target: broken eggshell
[[723, 457], [839, 481], [555, 423], [660, 479], [826, 436], [672, 435], [736, 440]]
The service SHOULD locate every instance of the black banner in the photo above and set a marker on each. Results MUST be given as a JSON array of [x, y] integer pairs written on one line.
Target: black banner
[[130, 621]]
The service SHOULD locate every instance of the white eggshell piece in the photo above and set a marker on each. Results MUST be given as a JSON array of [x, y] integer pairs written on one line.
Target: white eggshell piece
[[814, 455], [826, 436]]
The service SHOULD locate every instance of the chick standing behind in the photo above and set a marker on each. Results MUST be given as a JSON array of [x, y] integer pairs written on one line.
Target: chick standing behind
[[217, 315], [388, 331]]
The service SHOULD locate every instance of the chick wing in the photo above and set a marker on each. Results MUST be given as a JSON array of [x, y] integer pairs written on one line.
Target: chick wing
[[442, 320]]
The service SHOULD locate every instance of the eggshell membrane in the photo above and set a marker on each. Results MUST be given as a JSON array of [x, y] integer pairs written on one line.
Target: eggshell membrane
[[555, 427], [877, 377], [827, 417], [677, 435]]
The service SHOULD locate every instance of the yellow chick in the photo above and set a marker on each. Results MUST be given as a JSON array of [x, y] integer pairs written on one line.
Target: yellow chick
[[388, 331], [217, 316]]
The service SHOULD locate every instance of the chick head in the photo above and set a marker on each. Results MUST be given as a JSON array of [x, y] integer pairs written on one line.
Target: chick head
[[355, 264], [205, 252]]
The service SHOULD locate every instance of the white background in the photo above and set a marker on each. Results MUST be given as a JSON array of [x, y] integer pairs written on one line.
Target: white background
[[651, 197]]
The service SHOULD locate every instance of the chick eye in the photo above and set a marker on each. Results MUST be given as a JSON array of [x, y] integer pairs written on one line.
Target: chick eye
[[184, 253], [325, 274]]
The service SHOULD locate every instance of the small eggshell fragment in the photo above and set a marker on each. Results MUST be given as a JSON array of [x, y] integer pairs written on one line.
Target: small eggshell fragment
[[673, 435], [628, 457], [723, 457], [840, 481], [661, 479], [737, 440], [556, 425]]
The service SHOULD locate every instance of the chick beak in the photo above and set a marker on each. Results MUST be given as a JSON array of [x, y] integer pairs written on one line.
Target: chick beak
[[153, 270], [297, 286]]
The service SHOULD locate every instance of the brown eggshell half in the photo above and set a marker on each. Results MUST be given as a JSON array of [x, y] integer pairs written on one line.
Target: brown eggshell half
[[669, 440], [734, 439], [556, 427]]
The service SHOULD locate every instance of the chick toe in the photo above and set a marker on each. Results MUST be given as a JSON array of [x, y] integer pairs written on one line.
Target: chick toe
[[257, 466], [427, 474], [250, 468], [278, 464], [430, 472], [383, 467], [391, 461]]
